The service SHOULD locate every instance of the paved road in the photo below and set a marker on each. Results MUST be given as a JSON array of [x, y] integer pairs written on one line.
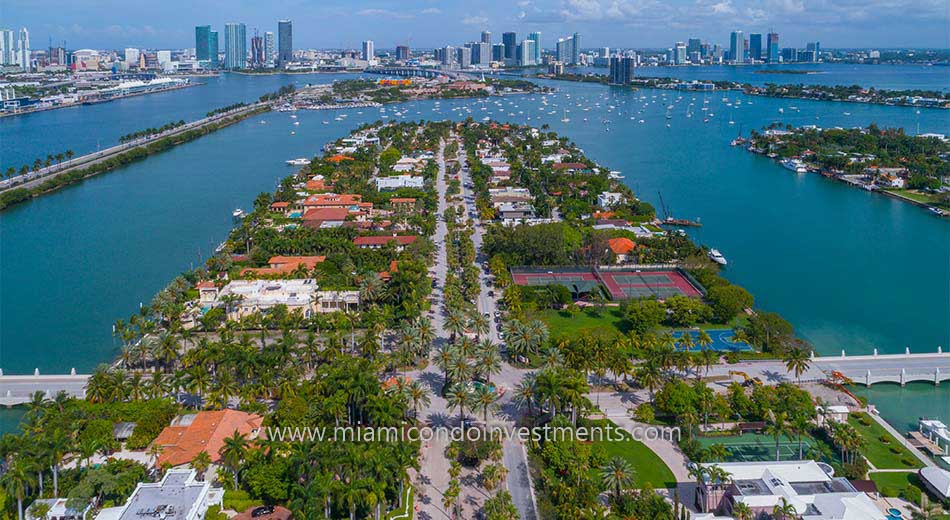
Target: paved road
[[515, 456], [33, 179]]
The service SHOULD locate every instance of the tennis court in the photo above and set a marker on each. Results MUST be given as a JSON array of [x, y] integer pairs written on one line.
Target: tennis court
[[621, 284], [723, 340], [755, 447]]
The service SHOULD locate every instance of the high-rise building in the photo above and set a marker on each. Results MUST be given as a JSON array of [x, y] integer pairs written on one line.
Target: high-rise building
[[369, 50], [235, 45], [568, 50], [164, 59], [285, 42], [402, 53], [704, 50], [694, 45], [576, 58], [270, 49], [498, 52], [536, 38], [526, 53], [789, 54], [814, 47], [486, 37], [257, 51], [736, 47], [23, 49], [772, 42], [448, 55], [202, 44], [132, 56], [7, 47], [509, 39], [463, 56], [679, 53], [755, 47], [622, 70]]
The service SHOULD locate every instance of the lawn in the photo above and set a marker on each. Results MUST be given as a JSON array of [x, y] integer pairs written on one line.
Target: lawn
[[882, 454], [926, 198], [892, 483], [562, 322], [649, 467]]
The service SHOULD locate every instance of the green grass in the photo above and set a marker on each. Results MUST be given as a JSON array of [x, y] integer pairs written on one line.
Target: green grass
[[879, 453], [409, 506], [926, 198], [606, 319], [650, 468], [895, 481]]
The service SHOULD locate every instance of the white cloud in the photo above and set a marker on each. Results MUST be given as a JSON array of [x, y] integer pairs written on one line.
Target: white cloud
[[475, 20], [432, 10], [384, 13]]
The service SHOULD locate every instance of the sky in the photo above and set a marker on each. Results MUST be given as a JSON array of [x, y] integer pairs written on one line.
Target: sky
[[169, 24]]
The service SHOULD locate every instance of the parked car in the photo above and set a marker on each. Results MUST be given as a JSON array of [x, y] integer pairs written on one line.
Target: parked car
[[261, 511]]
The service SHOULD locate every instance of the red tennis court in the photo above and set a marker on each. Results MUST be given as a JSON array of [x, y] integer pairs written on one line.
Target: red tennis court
[[622, 284]]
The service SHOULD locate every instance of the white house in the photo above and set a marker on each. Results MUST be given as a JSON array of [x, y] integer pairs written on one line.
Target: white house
[[261, 295], [399, 181], [58, 510], [609, 199], [179, 496]]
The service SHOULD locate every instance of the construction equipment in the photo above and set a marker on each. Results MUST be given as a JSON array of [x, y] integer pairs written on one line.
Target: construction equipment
[[746, 380]]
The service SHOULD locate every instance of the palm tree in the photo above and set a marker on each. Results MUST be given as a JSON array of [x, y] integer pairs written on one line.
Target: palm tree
[[459, 397], [233, 453], [200, 463], [479, 325], [784, 510], [418, 394], [797, 360], [488, 361], [526, 393], [455, 324], [776, 427], [742, 511], [650, 375], [799, 426], [484, 398], [617, 474], [17, 481]]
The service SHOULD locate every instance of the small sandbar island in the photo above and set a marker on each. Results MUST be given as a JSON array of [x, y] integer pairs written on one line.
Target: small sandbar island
[[888, 161]]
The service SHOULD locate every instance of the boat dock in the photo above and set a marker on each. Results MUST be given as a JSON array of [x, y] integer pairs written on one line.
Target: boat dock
[[19, 389]]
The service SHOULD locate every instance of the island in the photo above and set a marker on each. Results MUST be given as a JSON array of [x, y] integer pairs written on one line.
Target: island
[[914, 169]]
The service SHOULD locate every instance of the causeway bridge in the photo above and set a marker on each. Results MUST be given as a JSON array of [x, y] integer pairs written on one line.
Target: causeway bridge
[[19, 389], [887, 368], [419, 72]]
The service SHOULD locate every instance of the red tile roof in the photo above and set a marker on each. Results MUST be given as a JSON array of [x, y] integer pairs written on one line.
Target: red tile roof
[[279, 205], [324, 214], [621, 246], [329, 200], [570, 166], [180, 444], [285, 265], [383, 240]]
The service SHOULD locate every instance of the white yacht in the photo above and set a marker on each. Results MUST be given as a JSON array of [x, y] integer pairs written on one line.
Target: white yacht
[[717, 257], [300, 161], [795, 165], [238, 214]]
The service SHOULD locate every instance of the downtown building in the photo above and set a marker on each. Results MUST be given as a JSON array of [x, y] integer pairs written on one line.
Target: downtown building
[[235, 45], [622, 70], [206, 46], [569, 50], [285, 43], [737, 47]]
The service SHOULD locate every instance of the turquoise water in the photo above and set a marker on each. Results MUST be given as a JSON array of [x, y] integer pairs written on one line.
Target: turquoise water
[[850, 269]]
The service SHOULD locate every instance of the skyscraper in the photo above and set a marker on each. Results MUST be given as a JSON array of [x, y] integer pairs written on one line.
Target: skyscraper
[[257, 51], [526, 54], [202, 44], [736, 46], [679, 53], [694, 45], [576, 58], [7, 47], [131, 56], [23, 49], [486, 37], [464, 57], [285, 42], [755, 47], [536, 38], [510, 40], [402, 53], [568, 50], [369, 50], [213, 49], [772, 42], [622, 70], [235, 45], [270, 50], [498, 52], [448, 55]]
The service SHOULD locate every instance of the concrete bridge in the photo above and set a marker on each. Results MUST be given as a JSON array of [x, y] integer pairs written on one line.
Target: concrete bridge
[[417, 72], [19, 389], [888, 368]]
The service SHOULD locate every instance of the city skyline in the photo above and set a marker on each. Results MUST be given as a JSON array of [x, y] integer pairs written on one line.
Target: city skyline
[[426, 24]]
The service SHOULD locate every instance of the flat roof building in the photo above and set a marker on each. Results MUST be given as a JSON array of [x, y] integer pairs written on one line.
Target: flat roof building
[[178, 496]]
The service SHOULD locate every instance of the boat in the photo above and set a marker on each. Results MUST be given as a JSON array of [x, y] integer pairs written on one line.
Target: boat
[[238, 214], [717, 257], [296, 123], [614, 174], [796, 165], [300, 161]]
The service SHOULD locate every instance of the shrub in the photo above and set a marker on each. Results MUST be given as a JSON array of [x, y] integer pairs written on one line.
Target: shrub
[[884, 439], [644, 413], [890, 491], [911, 494], [908, 461], [895, 450]]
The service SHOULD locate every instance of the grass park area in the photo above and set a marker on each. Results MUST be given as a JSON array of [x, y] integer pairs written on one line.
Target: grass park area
[[607, 319], [918, 196], [650, 468], [880, 447], [892, 483]]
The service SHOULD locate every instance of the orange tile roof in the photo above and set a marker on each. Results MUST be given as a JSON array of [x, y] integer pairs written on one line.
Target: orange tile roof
[[604, 214], [205, 285], [180, 444], [397, 200], [285, 265], [621, 246], [326, 214], [383, 240], [339, 158], [329, 200], [317, 185], [280, 205]]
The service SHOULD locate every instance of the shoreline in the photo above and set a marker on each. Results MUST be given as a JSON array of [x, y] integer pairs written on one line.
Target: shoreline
[[117, 98]]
